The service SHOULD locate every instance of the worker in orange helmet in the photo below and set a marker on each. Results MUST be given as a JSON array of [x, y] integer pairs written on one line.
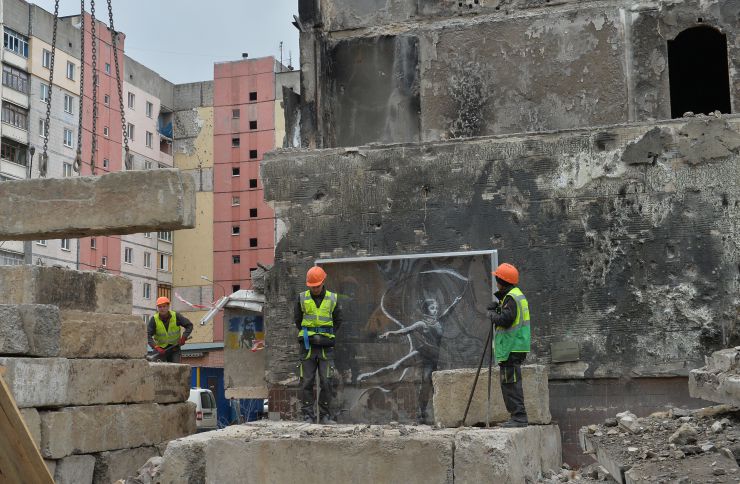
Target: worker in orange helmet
[[317, 317], [510, 317], [163, 332]]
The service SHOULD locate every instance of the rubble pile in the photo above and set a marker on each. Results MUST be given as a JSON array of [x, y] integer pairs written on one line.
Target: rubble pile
[[676, 446]]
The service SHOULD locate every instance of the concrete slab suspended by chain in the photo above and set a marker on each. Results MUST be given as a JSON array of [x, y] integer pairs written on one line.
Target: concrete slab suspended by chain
[[114, 204]]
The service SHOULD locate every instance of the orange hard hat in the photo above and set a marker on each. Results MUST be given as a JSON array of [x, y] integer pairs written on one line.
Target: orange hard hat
[[162, 300], [315, 276], [507, 272]]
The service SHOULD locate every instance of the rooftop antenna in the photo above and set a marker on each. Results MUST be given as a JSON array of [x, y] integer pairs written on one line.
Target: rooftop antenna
[[281, 56], [290, 61]]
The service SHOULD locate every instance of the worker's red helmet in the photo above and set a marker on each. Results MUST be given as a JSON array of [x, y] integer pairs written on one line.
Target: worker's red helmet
[[507, 272], [315, 276], [162, 301]]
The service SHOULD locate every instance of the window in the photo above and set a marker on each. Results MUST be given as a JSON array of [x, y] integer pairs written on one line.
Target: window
[[147, 165], [104, 261], [148, 260], [15, 79], [235, 229], [235, 259], [164, 262], [68, 103], [106, 131], [15, 42], [252, 212], [66, 169], [130, 131], [13, 151], [235, 142], [253, 125], [42, 243], [131, 100], [42, 128], [149, 109], [106, 100], [65, 244], [253, 96], [235, 287], [149, 139], [15, 115], [252, 183], [67, 138], [253, 242], [165, 236], [44, 93], [235, 113], [45, 58], [106, 163], [148, 235], [128, 255], [235, 171], [10, 258], [252, 154], [147, 294], [235, 201], [93, 244], [164, 290], [70, 70], [107, 67], [697, 72]]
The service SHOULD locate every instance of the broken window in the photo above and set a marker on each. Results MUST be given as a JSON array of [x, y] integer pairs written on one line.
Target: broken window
[[253, 96], [235, 142], [252, 154], [253, 242], [253, 212], [697, 68], [253, 125], [252, 183]]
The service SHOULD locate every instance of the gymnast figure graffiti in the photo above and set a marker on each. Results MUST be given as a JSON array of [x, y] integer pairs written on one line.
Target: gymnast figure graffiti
[[425, 338]]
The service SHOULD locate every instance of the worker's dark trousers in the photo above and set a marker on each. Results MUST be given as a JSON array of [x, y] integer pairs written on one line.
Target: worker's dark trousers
[[319, 358], [511, 386], [171, 356]]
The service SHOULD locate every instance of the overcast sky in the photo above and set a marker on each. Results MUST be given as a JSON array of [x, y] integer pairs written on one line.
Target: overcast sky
[[181, 39]]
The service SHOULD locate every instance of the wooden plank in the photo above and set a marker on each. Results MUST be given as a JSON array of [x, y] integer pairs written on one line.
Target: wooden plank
[[20, 459]]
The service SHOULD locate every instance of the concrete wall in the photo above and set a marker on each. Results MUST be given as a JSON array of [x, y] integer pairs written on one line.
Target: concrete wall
[[403, 71], [149, 81], [144, 124]]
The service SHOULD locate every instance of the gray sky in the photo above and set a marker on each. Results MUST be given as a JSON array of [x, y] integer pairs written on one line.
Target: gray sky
[[181, 39]]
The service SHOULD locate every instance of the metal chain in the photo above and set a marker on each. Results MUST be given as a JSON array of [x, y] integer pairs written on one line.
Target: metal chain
[[44, 158], [77, 165], [94, 89], [114, 36]]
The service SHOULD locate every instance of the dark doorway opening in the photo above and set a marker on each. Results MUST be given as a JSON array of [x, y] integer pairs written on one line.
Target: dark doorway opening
[[697, 67]]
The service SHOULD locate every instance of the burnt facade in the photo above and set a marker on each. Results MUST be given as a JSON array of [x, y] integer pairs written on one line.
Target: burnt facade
[[543, 130]]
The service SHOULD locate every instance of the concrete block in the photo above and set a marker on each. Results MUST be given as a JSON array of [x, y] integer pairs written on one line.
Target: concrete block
[[65, 288], [724, 360], [507, 455], [33, 422], [126, 202], [75, 469], [100, 428], [171, 382], [452, 388], [59, 382], [120, 464], [29, 329], [723, 387], [99, 335]]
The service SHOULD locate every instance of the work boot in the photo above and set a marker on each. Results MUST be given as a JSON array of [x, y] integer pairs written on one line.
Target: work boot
[[513, 424], [326, 420]]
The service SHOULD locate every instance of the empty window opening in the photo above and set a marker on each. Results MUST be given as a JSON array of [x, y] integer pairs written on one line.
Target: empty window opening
[[697, 68], [252, 183], [235, 142], [253, 125], [235, 113], [252, 212], [235, 287], [252, 154], [235, 259], [253, 96], [235, 171], [235, 230], [253, 242]]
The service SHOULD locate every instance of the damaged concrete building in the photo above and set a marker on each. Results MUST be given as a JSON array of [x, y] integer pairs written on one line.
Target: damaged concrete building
[[556, 132]]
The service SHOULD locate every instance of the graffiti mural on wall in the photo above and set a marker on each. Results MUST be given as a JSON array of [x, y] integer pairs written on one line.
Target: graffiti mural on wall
[[405, 318]]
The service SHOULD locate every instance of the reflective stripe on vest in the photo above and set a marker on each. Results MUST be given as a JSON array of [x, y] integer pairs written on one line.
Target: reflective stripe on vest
[[516, 338], [317, 320], [169, 336]]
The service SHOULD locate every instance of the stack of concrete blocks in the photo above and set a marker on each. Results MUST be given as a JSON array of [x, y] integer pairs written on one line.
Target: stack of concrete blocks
[[74, 361], [719, 380]]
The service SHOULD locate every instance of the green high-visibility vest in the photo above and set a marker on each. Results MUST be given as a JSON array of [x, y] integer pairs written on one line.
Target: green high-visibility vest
[[517, 338], [168, 336], [318, 319]]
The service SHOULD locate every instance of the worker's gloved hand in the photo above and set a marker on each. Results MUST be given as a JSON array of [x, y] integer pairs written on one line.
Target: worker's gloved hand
[[182, 340], [159, 350]]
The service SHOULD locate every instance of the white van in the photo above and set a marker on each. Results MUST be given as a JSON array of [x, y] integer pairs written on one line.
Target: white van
[[206, 414]]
